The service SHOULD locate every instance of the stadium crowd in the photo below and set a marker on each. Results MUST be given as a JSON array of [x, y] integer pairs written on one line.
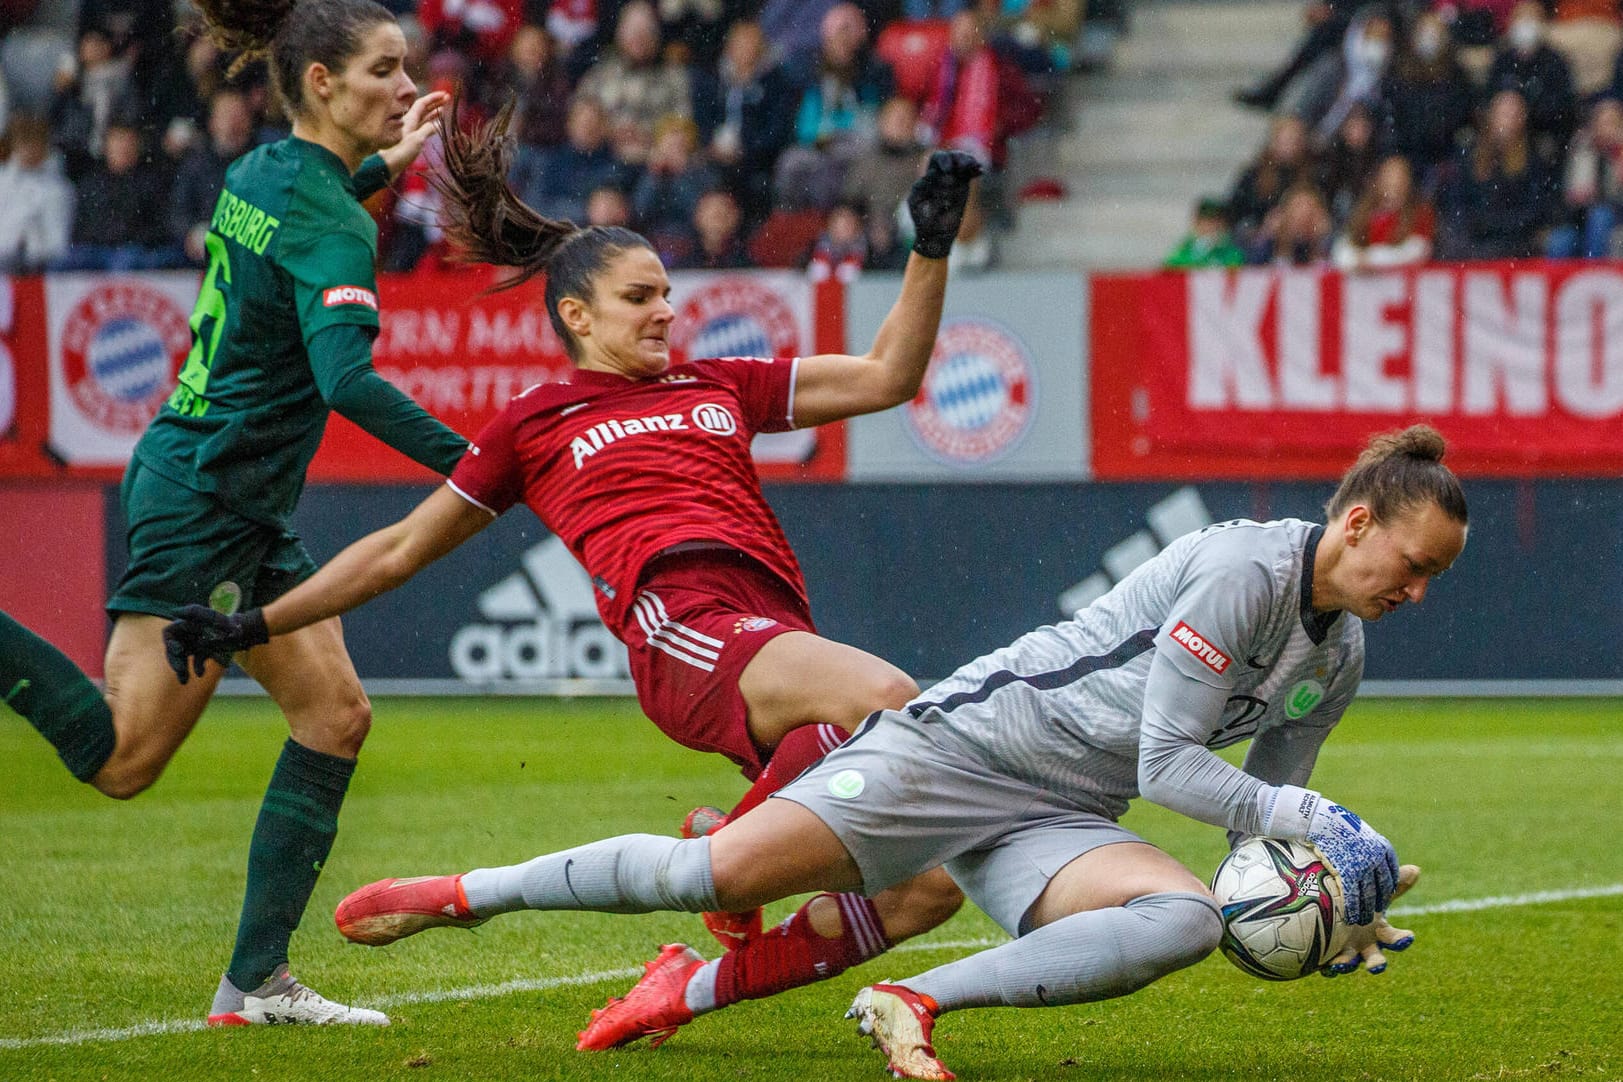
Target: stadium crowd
[[1462, 129], [732, 134]]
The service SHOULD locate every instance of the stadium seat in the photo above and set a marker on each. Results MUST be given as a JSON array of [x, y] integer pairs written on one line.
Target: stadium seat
[[785, 239], [913, 49]]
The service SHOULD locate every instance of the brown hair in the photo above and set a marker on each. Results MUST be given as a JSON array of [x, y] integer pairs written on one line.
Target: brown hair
[[487, 223], [1397, 471], [292, 35]]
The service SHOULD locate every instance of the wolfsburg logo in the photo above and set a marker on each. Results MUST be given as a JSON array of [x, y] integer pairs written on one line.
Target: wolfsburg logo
[[542, 625], [1191, 640]]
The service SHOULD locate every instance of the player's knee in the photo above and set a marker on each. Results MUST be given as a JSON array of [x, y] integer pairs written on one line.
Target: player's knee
[[128, 772], [884, 687], [349, 726], [1190, 925]]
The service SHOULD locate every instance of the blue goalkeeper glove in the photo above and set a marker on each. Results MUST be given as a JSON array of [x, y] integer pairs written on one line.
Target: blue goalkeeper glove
[[1365, 862], [199, 635]]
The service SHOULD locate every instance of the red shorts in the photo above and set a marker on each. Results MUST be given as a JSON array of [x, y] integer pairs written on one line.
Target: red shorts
[[697, 620]]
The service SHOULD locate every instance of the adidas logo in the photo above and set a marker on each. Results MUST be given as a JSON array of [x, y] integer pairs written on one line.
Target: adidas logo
[[540, 623], [1180, 513]]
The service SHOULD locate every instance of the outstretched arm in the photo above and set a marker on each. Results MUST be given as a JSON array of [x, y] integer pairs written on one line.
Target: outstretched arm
[[833, 386], [379, 562], [373, 565]]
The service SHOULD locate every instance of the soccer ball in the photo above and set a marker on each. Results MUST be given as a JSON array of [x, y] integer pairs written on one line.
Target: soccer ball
[[1283, 915]]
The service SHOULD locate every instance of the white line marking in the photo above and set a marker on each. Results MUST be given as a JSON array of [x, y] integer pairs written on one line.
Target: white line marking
[[541, 984]]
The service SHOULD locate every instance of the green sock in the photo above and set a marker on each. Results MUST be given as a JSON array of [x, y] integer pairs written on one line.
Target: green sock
[[39, 682], [294, 834]]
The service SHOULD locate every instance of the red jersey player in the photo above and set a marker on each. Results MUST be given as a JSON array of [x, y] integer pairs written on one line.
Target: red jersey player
[[643, 469]]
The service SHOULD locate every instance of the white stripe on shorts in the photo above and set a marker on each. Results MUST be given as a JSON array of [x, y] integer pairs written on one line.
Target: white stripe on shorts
[[665, 618], [666, 635]]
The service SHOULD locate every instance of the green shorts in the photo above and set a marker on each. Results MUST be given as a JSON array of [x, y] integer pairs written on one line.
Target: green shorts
[[188, 549]]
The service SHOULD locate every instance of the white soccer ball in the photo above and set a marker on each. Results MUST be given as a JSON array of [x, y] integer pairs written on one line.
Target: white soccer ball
[[1283, 914]]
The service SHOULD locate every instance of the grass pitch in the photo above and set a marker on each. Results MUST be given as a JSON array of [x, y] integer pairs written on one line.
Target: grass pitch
[[117, 919]]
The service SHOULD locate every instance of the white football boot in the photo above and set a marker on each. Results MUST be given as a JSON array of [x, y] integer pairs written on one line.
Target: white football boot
[[282, 1001]]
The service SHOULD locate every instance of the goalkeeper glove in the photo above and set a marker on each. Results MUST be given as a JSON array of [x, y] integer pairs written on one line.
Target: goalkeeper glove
[[199, 634], [1366, 946], [1365, 862]]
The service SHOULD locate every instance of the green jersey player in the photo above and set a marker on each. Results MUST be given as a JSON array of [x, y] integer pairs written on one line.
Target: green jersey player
[[281, 334]]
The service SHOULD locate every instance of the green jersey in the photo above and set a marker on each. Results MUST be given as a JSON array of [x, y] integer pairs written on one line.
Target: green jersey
[[291, 253]]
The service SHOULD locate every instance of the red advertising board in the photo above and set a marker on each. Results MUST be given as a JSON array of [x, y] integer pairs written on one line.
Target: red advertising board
[[1274, 373]]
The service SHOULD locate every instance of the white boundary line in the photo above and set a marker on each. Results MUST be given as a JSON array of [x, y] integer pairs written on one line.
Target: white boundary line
[[541, 984]]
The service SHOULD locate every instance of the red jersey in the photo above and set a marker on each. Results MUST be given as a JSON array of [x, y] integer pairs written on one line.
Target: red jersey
[[621, 470]]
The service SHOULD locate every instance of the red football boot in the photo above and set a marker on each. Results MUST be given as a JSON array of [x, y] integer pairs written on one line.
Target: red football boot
[[392, 909], [655, 1007], [900, 1021]]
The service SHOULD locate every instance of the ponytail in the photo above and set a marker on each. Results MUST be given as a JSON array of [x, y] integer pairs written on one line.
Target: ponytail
[[487, 223]]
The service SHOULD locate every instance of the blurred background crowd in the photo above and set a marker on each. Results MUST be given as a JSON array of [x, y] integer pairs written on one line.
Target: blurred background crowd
[[1402, 133], [732, 134]]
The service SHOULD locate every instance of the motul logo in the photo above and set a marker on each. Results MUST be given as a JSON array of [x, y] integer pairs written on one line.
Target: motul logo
[[1210, 656], [349, 295]]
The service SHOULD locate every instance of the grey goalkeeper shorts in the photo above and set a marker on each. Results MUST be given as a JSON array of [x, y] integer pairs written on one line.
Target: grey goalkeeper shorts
[[904, 798]]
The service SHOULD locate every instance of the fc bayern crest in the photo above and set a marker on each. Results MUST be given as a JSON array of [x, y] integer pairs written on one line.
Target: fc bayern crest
[[979, 394], [735, 317], [122, 347]]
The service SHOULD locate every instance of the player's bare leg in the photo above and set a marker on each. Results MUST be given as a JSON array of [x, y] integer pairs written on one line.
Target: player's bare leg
[[153, 712], [309, 674]]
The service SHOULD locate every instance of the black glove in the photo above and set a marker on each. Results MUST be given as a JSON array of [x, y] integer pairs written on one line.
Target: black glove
[[937, 201], [199, 634]]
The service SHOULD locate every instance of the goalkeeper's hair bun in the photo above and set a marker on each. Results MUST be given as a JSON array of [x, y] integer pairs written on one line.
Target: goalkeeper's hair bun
[[1397, 471]]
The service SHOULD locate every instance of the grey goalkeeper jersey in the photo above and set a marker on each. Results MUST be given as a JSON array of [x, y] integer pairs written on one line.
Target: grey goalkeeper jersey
[[1212, 642]]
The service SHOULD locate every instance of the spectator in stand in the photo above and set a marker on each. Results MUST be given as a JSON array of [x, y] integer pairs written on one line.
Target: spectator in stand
[[1326, 23], [842, 249], [1044, 29], [697, 28], [608, 205], [1392, 225], [535, 78], [1346, 164], [1208, 242], [36, 214], [745, 113], [795, 28], [1285, 160], [1426, 99], [1297, 232], [962, 109], [556, 180], [1503, 197], [666, 195], [1587, 34], [571, 22], [1475, 23], [880, 176], [201, 174], [634, 85], [718, 225], [142, 34], [88, 92], [886, 251], [1526, 64], [1338, 82], [125, 204], [840, 98], [1594, 186], [479, 29]]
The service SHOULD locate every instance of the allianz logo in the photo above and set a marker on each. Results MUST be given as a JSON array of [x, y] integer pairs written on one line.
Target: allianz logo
[[540, 623]]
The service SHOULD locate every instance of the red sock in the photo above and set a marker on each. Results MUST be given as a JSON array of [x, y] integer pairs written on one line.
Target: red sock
[[794, 753], [793, 954]]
